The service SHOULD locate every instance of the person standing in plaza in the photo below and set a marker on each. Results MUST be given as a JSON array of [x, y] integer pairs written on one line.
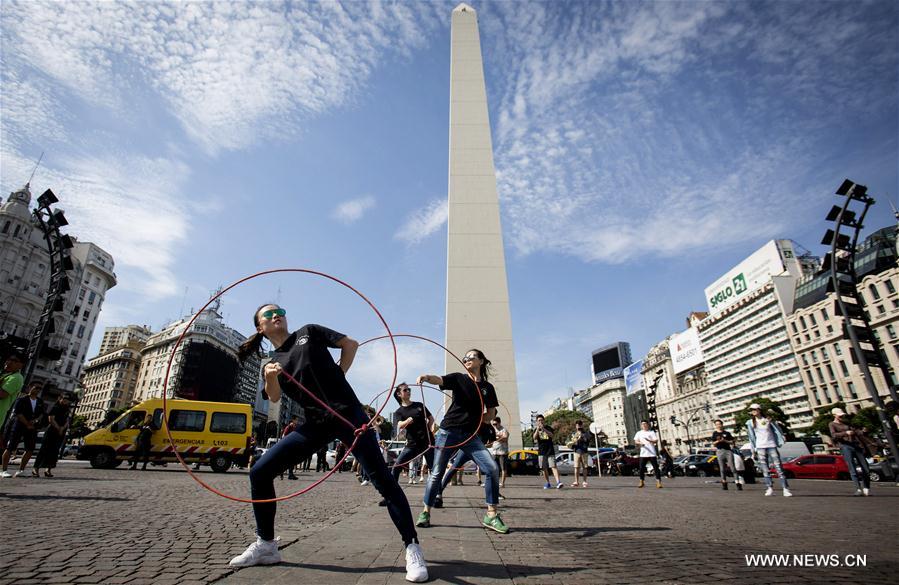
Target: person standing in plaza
[[143, 443], [417, 421], [473, 401], [546, 451], [289, 428], [648, 441], [724, 445], [456, 466], [26, 416], [501, 450], [765, 436], [852, 442], [11, 382], [580, 444], [48, 455], [301, 367]]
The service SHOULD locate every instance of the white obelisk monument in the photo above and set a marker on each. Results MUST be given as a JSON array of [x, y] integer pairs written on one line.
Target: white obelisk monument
[[477, 293]]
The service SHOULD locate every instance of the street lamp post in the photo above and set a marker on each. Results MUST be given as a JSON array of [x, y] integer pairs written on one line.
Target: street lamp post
[[686, 424], [844, 283], [50, 221]]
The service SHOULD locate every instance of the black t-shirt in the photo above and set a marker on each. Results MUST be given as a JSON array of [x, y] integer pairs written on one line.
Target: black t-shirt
[[305, 356], [59, 414], [465, 411], [545, 441], [487, 433], [722, 440], [417, 433]]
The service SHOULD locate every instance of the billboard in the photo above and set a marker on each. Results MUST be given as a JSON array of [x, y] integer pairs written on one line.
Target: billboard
[[685, 350], [633, 377], [609, 361], [747, 276]]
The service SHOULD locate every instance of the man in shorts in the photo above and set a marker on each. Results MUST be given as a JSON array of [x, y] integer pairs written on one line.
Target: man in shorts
[[546, 451]]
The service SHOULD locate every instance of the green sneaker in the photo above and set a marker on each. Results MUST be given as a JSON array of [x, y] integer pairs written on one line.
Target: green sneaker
[[424, 520], [495, 523]]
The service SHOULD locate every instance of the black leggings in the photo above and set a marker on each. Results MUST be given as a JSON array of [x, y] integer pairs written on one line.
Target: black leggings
[[309, 438]]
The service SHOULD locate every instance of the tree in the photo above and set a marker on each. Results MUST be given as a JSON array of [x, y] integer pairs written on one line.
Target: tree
[[770, 409], [562, 422], [79, 427], [527, 438], [865, 418]]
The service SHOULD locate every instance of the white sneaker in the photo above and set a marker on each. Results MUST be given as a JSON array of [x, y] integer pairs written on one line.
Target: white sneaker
[[19, 474], [769, 492], [261, 552], [364, 482], [584, 484], [410, 482], [787, 493], [858, 492], [866, 491], [416, 569], [5, 474]]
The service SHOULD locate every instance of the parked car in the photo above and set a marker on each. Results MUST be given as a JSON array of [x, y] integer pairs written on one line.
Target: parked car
[[523, 462], [683, 462], [707, 466], [877, 470], [565, 463], [815, 467]]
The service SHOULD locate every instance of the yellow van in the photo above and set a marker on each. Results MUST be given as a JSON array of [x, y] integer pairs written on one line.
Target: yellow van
[[216, 433]]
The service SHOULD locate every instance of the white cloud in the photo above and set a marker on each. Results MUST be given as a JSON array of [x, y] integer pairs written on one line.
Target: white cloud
[[232, 73], [352, 211], [127, 205], [423, 222]]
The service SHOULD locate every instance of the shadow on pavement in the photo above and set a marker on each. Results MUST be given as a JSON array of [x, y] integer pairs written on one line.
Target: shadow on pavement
[[53, 497]]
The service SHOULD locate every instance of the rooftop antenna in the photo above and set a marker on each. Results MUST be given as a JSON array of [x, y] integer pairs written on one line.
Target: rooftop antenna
[[36, 165], [278, 296], [895, 211], [183, 301]]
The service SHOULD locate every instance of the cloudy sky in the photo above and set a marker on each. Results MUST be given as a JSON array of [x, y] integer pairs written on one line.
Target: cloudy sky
[[642, 149]]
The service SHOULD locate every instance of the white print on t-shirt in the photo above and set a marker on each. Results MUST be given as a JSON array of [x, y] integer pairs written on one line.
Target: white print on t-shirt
[[302, 340], [764, 434], [647, 449]]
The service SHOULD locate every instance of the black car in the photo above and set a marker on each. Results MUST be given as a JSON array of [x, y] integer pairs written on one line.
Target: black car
[[877, 471], [707, 466]]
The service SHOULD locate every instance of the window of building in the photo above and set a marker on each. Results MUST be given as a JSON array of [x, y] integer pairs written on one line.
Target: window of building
[[814, 356], [824, 315], [844, 369], [6, 227], [873, 290], [891, 331], [81, 294], [804, 360], [830, 372], [802, 322], [851, 387], [80, 331], [795, 329], [811, 317], [881, 309], [71, 327], [86, 315], [830, 329], [16, 233], [91, 298], [836, 349]]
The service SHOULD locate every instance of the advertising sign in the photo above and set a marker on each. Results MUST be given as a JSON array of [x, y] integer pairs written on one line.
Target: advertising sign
[[685, 350], [633, 377], [747, 276]]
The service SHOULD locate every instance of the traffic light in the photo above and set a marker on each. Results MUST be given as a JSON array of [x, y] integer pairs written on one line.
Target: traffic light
[[707, 408]]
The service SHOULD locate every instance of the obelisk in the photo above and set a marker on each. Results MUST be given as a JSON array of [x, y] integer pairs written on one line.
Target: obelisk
[[477, 292]]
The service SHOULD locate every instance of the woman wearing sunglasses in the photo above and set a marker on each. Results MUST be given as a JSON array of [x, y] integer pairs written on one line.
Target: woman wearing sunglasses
[[464, 415], [417, 421], [303, 355]]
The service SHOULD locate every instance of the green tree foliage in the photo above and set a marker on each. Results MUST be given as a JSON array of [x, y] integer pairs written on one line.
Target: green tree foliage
[[527, 438], [770, 409], [562, 422]]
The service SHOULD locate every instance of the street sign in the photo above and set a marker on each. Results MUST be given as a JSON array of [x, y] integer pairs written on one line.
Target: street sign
[[595, 428]]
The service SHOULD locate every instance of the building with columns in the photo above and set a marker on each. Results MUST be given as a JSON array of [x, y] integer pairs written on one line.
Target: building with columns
[[604, 403], [110, 378]]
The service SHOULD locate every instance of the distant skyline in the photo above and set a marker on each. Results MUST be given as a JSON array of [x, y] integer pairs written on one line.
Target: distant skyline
[[642, 149]]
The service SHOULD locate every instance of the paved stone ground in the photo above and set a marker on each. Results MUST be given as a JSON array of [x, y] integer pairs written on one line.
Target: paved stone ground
[[121, 526]]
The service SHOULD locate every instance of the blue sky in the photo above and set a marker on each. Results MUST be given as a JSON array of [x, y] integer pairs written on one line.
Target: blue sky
[[642, 149]]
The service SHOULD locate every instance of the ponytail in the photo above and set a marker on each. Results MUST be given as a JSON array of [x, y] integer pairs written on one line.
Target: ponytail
[[250, 346]]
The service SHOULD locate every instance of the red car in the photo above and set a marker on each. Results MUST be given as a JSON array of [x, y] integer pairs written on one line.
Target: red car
[[815, 467]]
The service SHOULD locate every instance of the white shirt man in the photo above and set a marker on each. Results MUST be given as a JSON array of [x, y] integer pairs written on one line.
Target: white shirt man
[[648, 442]]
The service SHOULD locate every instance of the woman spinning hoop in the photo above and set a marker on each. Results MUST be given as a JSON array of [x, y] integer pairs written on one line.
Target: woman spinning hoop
[[302, 359], [417, 421]]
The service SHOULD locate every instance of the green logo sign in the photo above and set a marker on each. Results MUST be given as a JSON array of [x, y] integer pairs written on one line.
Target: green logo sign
[[738, 287]]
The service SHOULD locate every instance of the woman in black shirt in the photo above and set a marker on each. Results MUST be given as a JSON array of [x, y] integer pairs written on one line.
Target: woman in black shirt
[[303, 356], [474, 402], [48, 455]]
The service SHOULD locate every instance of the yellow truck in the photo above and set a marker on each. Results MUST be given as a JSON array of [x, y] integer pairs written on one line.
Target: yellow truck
[[214, 433]]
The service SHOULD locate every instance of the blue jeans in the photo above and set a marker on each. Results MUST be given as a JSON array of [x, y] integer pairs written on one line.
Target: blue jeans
[[306, 440], [852, 453], [475, 450], [764, 453], [408, 454]]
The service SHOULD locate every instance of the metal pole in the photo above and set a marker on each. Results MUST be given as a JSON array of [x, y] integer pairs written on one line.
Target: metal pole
[[598, 459], [853, 338]]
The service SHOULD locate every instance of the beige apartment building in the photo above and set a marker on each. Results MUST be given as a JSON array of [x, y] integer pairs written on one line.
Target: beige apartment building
[[110, 378]]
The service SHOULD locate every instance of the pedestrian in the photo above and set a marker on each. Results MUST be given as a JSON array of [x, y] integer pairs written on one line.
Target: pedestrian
[[724, 445], [48, 455], [321, 460], [26, 416], [289, 428], [416, 421], [765, 436], [339, 453], [501, 450], [668, 464], [473, 402], [546, 451], [853, 442], [143, 443], [648, 441], [303, 357], [11, 382], [580, 444], [252, 449]]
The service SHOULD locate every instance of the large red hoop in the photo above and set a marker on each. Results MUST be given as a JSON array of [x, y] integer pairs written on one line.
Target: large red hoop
[[181, 338]]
